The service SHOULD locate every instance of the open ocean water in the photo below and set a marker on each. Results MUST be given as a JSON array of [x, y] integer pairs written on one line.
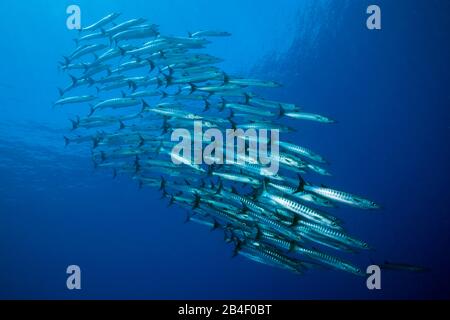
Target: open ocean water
[[388, 89]]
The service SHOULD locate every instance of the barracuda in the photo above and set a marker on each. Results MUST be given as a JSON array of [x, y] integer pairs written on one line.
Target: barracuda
[[338, 196], [76, 99], [115, 103], [124, 26], [102, 22], [302, 151], [300, 209], [308, 116], [252, 196]]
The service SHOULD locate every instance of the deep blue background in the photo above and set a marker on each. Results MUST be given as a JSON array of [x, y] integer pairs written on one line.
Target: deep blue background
[[388, 89]]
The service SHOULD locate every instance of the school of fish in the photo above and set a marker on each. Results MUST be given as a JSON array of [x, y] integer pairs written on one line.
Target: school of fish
[[132, 86]]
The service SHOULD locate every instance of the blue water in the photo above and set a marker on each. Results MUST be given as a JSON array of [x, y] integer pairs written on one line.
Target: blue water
[[388, 89]]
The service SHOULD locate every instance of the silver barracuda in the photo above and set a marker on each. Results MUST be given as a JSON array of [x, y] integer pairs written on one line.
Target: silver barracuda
[[102, 22], [144, 88]]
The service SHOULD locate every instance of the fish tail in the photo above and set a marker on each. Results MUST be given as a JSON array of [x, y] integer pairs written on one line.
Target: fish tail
[[281, 111], [171, 201], [74, 79], [301, 184], [122, 51], [66, 141], [75, 123], [141, 140], [145, 106], [152, 65], [196, 202], [168, 79], [226, 78], [66, 61], [193, 88], [207, 104], [219, 187], [92, 110]]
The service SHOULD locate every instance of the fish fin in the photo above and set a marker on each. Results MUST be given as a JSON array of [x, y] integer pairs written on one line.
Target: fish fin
[[162, 185], [66, 141], [222, 104], [95, 142], [207, 104], [98, 89], [152, 64], [132, 85], [123, 94], [171, 201], [141, 141], [122, 125], [66, 60], [74, 79], [74, 123], [236, 249], [281, 111], [264, 186], [91, 81], [61, 92], [301, 184], [233, 123], [92, 110], [164, 194], [210, 170], [247, 98], [122, 51], [159, 83], [164, 95], [168, 79], [189, 34], [193, 87], [220, 187], [215, 226], [145, 106], [226, 78], [244, 208], [196, 202]]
